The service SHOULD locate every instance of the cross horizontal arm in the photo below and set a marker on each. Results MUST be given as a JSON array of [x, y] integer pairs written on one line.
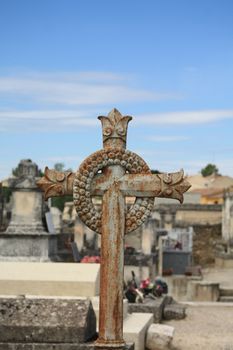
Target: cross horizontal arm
[[140, 185], [56, 183], [171, 185], [165, 185], [135, 185]]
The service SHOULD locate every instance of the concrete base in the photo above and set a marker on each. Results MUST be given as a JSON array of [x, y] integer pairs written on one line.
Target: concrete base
[[134, 325], [49, 279], [41, 246]]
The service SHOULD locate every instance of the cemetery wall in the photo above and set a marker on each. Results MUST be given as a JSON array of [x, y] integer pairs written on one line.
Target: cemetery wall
[[199, 214], [189, 214], [206, 239]]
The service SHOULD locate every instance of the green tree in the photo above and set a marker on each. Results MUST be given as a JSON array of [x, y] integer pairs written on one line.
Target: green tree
[[6, 194], [155, 171], [209, 169], [59, 166]]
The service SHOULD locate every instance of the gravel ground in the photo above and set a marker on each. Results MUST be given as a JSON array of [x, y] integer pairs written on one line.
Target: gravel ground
[[206, 327]]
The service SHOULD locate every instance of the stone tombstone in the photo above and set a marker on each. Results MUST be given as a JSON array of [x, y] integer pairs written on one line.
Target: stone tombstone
[[75, 252], [1, 207], [49, 222], [25, 239], [227, 218], [56, 219]]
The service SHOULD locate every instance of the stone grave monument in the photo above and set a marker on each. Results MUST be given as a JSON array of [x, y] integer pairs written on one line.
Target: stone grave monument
[[1, 207], [25, 239], [113, 173]]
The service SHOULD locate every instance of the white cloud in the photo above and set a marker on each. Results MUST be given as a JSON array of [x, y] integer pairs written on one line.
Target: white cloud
[[169, 138], [84, 76], [41, 120], [46, 120], [84, 88], [44, 114], [63, 159], [185, 117]]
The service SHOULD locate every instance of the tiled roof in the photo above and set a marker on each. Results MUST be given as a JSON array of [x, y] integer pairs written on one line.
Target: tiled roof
[[199, 182]]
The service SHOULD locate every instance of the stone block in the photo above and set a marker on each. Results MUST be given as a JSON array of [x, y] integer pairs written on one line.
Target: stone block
[[150, 306], [135, 327], [40, 246], [159, 337], [46, 320], [205, 291], [49, 279], [177, 286], [226, 292], [193, 271], [226, 299], [174, 312]]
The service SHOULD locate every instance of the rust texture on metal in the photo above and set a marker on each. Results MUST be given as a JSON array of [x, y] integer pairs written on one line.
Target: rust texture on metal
[[88, 183], [55, 183], [114, 128], [113, 173], [166, 185], [111, 281]]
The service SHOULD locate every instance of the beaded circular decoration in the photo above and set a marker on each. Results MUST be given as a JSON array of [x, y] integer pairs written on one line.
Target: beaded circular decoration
[[133, 164]]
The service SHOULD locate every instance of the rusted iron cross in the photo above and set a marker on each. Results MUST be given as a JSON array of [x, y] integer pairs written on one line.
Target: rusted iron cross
[[113, 173]]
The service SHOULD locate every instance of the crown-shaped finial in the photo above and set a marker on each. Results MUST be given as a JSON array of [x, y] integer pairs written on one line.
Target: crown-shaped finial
[[114, 129]]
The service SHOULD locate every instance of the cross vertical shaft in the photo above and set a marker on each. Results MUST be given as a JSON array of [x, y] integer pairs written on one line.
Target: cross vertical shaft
[[112, 266]]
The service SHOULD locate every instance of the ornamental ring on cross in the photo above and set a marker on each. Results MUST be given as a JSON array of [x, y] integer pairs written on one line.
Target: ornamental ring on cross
[[133, 164]]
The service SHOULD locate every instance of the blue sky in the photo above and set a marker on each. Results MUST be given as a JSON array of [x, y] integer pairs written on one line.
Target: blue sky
[[169, 64]]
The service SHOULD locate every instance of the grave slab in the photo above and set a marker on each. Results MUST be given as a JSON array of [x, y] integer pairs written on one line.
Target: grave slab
[[49, 279], [46, 320]]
